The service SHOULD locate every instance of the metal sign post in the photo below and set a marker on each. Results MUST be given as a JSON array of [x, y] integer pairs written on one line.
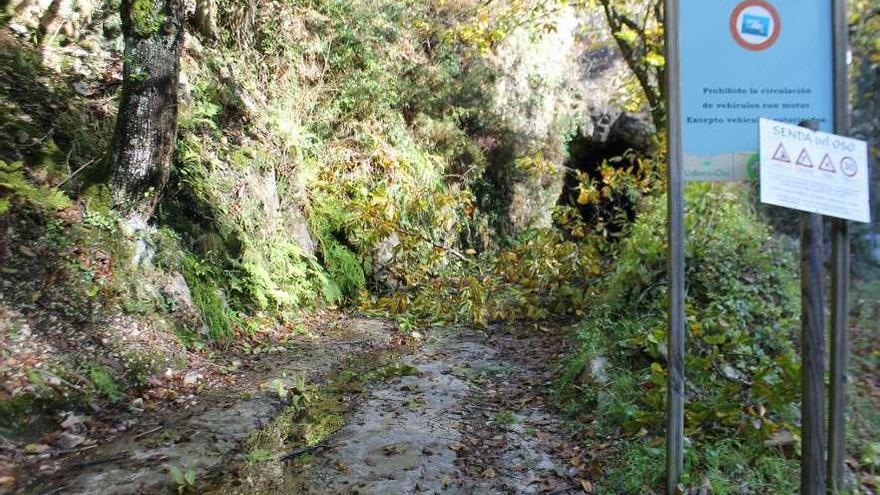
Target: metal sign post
[[840, 266], [675, 237], [812, 353], [730, 63]]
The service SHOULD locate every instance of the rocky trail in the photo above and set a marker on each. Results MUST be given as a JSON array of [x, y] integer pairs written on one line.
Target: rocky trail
[[464, 412]]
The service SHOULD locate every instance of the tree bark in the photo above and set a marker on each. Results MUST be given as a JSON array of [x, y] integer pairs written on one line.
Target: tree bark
[[146, 124], [206, 18]]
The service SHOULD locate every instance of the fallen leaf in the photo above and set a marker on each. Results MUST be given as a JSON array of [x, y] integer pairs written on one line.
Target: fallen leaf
[[35, 448], [780, 438], [586, 485]]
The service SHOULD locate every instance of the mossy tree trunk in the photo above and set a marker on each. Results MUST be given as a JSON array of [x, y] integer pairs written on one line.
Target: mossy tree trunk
[[146, 124]]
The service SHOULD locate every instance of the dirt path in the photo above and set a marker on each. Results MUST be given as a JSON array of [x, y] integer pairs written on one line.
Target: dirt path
[[468, 414], [207, 437]]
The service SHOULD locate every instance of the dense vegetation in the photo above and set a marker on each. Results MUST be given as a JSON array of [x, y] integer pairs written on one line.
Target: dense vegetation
[[743, 371], [366, 155]]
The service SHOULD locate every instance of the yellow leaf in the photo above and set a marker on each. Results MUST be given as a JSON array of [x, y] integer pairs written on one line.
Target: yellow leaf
[[586, 485], [657, 368], [583, 197]]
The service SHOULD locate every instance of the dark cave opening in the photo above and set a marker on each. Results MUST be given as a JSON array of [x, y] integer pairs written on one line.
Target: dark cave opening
[[615, 143]]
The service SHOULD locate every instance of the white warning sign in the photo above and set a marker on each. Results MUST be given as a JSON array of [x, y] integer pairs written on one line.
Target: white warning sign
[[837, 187], [781, 154], [827, 164]]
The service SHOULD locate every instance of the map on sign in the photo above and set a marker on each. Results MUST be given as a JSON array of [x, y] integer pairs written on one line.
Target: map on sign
[[830, 175], [742, 60]]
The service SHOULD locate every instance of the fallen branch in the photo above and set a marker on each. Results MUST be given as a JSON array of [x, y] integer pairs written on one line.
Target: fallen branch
[[145, 433], [302, 451], [77, 451], [80, 169], [97, 462], [56, 490]]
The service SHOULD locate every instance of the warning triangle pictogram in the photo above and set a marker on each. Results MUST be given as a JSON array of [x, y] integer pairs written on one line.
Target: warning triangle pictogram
[[804, 159], [827, 165], [781, 154]]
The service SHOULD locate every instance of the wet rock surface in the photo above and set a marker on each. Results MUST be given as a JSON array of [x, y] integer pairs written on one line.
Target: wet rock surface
[[466, 413], [209, 435], [397, 440], [469, 417]]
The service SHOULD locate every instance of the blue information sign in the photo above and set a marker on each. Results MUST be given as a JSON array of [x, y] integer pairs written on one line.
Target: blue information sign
[[742, 60]]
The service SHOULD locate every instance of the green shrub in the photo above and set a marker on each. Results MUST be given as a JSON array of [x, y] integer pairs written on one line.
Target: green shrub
[[344, 267], [741, 369], [207, 296], [104, 383]]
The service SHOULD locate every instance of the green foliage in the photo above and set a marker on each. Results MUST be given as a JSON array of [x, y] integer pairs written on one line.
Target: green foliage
[[491, 23], [280, 277], [146, 17], [207, 296], [725, 467], [863, 425], [184, 480], [16, 187], [741, 306], [506, 419], [871, 456], [103, 382], [369, 135], [637, 28], [541, 274], [864, 24], [345, 269], [605, 206], [259, 456]]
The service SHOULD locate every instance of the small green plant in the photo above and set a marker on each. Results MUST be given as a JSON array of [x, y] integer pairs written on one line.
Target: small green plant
[[104, 382], [98, 220], [871, 457], [294, 389], [507, 419], [184, 480], [257, 456], [207, 296], [394, 370], [146, 17]]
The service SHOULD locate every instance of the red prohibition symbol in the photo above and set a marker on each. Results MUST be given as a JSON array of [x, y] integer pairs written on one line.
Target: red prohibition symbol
[[735, 28]]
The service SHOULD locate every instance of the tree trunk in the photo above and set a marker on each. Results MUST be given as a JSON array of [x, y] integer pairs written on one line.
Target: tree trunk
[[206, 18], [146, 124]]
